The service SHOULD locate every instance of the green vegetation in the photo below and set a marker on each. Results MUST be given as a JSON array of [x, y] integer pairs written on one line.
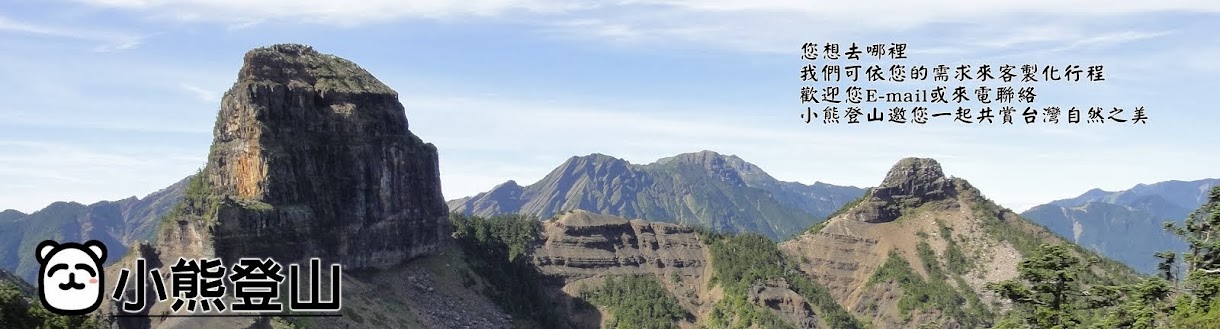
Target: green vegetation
[[198, 201], [1018, 232], [1199, 298], [868, 193], [1051, 292], [817, 227], [736, 312], [957, 262], [722, 193], [933, 293], [19, 310], [742, 261], [1137, 215], [637, 301], [495, 249]]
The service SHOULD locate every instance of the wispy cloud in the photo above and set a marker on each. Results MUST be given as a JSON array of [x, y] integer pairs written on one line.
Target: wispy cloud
[[106, 41], [86, 174], [204, 95], [342, 13], [767, 26], [15, 118]]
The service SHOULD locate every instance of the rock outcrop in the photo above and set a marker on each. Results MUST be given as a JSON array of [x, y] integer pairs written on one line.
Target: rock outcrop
[[779, 297], [312, 158], [911, 182], [585, 244]]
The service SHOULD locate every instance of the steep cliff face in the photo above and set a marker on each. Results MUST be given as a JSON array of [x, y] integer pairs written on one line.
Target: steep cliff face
[[583, 244], [313, 157]]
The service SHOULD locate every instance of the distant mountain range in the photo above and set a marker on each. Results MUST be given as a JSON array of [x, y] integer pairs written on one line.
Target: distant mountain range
[[1126, 225], [708, 189], [114, 223]]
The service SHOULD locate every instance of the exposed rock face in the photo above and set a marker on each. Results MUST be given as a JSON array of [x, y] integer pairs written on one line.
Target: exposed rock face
[[312, 157], [911, 182], [584, 244], [785, 302]]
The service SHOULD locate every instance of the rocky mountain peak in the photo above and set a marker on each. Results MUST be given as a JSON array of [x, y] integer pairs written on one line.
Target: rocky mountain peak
[[727, 168], [701, 157], [10, 214], [593, 165], [295, 65], [909, 183], [915, 177], [594, 160], [312, 157]]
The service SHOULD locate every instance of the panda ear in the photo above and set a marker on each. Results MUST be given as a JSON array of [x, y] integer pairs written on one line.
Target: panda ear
[[44, 249], [97, 249]]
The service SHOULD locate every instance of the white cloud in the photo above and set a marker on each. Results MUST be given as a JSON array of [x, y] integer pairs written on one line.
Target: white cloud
[[36, 173], [106, 41], [209, 96], [767, 26], [880, 14], [342, 13], [128, 123], [888, 12]]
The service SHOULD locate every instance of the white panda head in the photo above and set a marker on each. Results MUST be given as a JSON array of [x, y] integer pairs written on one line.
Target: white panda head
[[70, 279]]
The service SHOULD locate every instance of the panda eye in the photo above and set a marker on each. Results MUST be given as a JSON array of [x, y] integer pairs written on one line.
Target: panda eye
[[86, 268], [55, 268]]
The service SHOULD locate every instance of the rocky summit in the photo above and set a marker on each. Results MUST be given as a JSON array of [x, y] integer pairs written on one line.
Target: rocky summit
[[313, 157], [912, 181]]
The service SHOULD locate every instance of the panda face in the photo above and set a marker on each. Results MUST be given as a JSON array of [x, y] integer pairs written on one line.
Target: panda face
[[70, 280]]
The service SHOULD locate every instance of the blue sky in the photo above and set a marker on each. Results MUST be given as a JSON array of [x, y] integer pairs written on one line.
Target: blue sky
[[106, 99]]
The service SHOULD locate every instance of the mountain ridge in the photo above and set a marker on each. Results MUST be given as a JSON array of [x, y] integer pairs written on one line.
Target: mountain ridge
[[721, 192], [1127, 225], [117, 223]]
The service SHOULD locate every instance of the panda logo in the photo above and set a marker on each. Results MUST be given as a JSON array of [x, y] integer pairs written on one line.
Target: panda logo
[[70, 278]]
